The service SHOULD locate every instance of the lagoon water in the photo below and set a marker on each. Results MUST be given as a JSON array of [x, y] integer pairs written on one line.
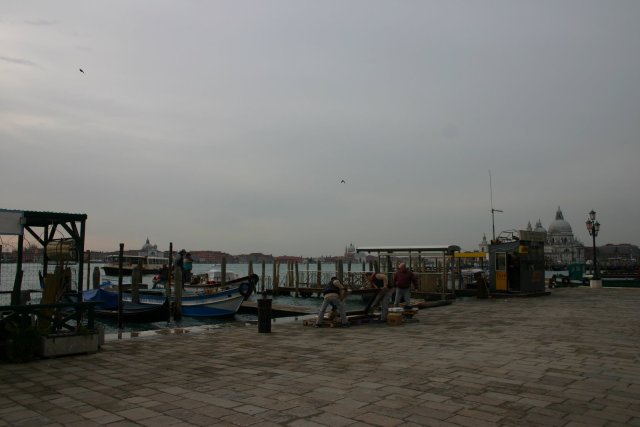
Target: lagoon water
[[31, 282]]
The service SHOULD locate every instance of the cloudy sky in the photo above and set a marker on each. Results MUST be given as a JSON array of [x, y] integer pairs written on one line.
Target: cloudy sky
[[228, 125]]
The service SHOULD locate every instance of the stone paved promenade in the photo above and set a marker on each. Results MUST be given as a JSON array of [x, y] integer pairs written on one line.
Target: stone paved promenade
[[568, 359]]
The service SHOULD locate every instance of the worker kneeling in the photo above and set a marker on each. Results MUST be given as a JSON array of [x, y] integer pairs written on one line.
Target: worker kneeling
[[334, 292]]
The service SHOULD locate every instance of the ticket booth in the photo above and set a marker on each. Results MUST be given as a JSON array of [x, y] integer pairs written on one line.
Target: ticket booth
[[517, 266]]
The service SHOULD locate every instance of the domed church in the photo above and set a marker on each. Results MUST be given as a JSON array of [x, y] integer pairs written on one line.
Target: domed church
[[561, 247], [150, 250]]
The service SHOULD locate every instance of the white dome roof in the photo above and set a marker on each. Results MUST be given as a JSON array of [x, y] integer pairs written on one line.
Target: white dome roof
[[560, 225]]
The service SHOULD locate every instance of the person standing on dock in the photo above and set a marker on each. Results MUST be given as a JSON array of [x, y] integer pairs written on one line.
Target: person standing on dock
[[163, 276], [333, 293], [405, 281], [383, 297]]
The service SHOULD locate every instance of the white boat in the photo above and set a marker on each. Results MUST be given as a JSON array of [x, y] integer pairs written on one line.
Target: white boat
[[214, 277], [150, 264]]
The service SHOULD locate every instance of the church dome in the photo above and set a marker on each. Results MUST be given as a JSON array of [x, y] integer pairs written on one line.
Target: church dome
[[560, 225], [539, 228]]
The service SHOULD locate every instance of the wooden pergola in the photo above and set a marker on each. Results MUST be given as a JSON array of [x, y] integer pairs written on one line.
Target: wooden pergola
[[446, 252], [45, 224], [419, 250]]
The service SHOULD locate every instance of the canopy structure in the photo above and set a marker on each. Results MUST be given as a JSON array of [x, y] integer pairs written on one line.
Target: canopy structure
[[16, 222], [413, 249], [446, 252], [418, 250]]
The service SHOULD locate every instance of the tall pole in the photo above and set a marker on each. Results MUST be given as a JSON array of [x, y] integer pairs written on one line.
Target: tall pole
[[596, 274], [120, 256], [493, 224], [593, 227]]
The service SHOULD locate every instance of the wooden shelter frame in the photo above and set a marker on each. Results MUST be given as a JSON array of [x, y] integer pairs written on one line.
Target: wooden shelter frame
[[447, 252], [50, 223]]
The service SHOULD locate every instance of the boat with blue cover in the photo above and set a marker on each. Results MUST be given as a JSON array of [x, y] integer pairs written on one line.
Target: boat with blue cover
[[131, 312], [206, 301]]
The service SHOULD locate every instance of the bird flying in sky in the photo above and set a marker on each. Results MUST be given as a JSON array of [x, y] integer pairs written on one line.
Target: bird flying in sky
[[342, 182], [81, 70]]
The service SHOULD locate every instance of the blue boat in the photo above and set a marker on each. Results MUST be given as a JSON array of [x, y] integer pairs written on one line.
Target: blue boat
[[206, 301], [131, 312]]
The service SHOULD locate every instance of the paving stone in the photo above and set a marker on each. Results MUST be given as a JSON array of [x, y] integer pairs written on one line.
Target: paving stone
[[559, 360]]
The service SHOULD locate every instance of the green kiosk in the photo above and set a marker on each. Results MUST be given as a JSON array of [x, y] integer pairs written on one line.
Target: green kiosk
[[517, 265]]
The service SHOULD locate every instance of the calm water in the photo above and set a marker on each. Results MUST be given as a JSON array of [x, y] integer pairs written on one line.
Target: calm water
[[31, 282]]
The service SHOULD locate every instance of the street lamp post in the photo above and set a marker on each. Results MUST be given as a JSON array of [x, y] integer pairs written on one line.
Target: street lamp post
[[593, 227]]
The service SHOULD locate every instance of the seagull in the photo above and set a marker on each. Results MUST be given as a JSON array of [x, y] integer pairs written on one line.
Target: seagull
[[81, 70], [342, 182]]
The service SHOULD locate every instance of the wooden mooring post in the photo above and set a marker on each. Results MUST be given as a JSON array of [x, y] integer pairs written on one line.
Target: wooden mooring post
[[274, 285], [177, 308], [96, 277], [120, 256], [169, 279], [136, 279], [223, 271], [88, 271], [290, 274], [297, 280], [319, 274]]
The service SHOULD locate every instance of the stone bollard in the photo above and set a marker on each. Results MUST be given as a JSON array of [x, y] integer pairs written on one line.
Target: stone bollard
[[264, 315], [595, 283]]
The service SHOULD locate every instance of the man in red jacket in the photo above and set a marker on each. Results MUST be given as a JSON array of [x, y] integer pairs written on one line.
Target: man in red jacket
[[405, 281]]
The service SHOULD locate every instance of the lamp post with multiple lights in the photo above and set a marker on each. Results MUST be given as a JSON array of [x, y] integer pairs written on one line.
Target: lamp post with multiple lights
[[593, 227]]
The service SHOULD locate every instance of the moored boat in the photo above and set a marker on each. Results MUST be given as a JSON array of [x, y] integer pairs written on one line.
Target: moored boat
[[131, 312], [212, 301], [137, 313], [150, 264]]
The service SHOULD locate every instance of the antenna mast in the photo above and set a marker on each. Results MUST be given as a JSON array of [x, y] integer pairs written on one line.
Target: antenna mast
[[493, 224]]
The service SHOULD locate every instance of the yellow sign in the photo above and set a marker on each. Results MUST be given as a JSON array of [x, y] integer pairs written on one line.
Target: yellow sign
[[501, 280], [522, 249]]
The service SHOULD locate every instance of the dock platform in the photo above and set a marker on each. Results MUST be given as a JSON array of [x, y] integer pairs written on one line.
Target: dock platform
[[278, 310], [569, 359]]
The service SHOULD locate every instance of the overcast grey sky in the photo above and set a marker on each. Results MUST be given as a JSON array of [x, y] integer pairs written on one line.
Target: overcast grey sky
[[228, 125]]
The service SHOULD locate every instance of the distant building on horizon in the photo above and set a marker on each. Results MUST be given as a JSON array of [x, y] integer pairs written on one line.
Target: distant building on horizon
[[561, 246], [150, 250], [484, 245], [351, 254]]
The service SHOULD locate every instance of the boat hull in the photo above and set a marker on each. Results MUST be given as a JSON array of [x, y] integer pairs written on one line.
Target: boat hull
[[205, 302], [218, 304], [137, 313], [131, 312]]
